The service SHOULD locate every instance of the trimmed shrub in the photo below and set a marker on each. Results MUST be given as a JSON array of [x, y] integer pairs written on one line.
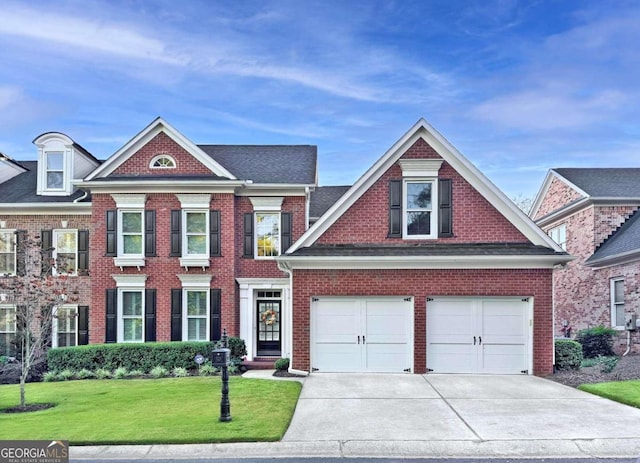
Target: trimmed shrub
[[143, 356], [568, 354], [135, 374], [207, 370], [159, 372], [67, 374], [120, 373], [596, 341], [103, 373], [282, 364], [50, 376], [85, 374], [179, 372]]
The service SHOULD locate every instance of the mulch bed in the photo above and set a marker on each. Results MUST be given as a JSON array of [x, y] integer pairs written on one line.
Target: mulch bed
[[28, 408], [286, 374], [627, 368]]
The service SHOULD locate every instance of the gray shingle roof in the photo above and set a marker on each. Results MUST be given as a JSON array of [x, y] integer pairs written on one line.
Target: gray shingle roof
[[294, 164], [475, 249], [624, 240], [605, 182], [23, 187], [322, 198]]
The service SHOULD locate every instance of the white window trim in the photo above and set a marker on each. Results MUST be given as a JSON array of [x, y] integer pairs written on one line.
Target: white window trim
[[434, 208], [54, 238], [556, 231], [15, 323], [129, 283], [162, 156], [195, 283], [54, 323], [129, 203], [613, 311], [255, 234], [15, 252], [420, 168], [55, 143], [195, 260]]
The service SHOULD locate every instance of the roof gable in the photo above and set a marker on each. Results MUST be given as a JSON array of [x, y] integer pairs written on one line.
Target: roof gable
[[442, 148], [147, 135]]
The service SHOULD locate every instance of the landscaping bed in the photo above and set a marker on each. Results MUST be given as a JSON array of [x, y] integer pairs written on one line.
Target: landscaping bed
[[627, 368]]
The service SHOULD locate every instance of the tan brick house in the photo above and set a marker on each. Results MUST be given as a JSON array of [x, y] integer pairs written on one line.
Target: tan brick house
[[421, 265], [592, 214]]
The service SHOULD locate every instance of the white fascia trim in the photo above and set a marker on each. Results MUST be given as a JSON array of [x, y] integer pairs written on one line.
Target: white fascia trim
[[458, 162], [270, 204], [419, 262], [164, 186], [564, 213], [45, 208], [618, 259], [263, 283], [154, 128], [130, 201], [193, 281], [276, 189], [130, 281], [194, 201]]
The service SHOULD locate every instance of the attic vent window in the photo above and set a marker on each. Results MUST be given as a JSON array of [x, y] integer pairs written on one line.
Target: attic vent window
[[163, 161]]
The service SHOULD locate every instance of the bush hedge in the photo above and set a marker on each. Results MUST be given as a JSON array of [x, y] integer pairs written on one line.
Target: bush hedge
[[596, 341], [568, 354], [143, 356]]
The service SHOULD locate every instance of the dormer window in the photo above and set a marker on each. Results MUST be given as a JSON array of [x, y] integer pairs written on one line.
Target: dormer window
[[163, 161], [55, 169], [55, 164]]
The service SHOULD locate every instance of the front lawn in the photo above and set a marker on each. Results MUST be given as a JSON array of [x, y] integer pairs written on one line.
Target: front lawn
[[170, 410], [626, 392]]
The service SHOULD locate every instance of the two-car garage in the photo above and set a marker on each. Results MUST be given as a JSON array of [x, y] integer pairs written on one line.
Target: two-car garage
[[464, 334]]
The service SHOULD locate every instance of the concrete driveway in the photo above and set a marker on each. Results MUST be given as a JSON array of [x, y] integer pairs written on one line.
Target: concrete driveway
[[461, 415]]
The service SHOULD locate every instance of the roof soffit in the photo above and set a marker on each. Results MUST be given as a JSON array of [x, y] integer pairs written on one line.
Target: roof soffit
[[422, 129], [147, 134]]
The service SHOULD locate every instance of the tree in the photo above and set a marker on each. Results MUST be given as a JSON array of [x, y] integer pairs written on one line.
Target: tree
[[32, 297], [523, 202]]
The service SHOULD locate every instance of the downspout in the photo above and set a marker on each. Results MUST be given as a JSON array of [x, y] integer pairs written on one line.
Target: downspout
[[84, 196], [287, 269], [628, 343], [307, 205]]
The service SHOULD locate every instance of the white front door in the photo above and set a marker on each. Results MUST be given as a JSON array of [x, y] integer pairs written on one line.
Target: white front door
[[362, 334], [478, 335]]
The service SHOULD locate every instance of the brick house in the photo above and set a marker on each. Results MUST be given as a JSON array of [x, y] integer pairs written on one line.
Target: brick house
[[592, 214], [422, 264]]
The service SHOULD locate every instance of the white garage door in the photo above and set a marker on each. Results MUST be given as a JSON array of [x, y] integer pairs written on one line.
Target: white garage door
[[362, 334], [478, 335]]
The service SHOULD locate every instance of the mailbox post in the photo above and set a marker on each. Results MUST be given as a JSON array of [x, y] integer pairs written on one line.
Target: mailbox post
[[221, 359]]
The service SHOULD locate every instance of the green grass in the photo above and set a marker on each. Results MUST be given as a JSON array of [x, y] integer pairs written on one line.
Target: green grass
[[170, 410], [626, 392]]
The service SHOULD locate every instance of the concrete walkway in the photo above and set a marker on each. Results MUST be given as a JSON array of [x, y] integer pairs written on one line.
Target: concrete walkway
[[377, 415]]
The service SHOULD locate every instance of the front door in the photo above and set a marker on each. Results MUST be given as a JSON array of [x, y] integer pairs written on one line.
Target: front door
[[269, 333]]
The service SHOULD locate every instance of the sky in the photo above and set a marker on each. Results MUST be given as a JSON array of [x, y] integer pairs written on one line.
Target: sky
[[517, 86]]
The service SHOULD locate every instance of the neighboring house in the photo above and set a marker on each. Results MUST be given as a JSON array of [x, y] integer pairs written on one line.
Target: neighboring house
[[423, 264], [593, 214]]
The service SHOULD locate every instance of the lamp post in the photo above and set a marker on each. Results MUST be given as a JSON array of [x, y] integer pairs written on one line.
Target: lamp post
[[221, 359]]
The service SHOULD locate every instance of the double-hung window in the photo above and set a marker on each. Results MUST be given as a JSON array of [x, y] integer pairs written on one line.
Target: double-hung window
[[420, 218], [197, 315], [617, 303], [267, 234], [130, 230], [7, 329], [65, 252], [65, 326], [7, 252], [54, 170], [559, 235], [196, 227], [193, 230], [130, 305], [131, 235]]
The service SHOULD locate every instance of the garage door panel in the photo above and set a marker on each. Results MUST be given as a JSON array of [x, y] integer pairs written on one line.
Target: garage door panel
[[338, 358], [387, 322], [505, 359], [337, 322], [451, 321], [452, 358], [390, 358]]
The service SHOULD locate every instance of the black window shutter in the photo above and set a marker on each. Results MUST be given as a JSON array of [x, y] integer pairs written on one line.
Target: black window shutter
[[285, 231], [21, 254], [445, 196], [83, 252], [248, 235], [46, 242], [150, 233], [111, 334], [214, 233], [149, 315], [176, 233], [216, 322], [83, 325], [112, 225], [176, 315], [395, 209]]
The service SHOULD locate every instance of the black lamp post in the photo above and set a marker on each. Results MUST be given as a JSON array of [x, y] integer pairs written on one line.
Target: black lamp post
[[221, 359]]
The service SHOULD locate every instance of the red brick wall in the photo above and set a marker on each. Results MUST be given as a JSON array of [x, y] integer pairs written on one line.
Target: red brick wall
[[474, 218], [162, 270], [138, 164], [558, 195], [422, 284]]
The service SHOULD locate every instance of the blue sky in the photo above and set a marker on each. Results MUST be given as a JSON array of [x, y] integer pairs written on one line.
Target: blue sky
[[517, 86]]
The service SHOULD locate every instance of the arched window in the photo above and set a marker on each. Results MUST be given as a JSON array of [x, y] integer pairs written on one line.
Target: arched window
[[163, 161]]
